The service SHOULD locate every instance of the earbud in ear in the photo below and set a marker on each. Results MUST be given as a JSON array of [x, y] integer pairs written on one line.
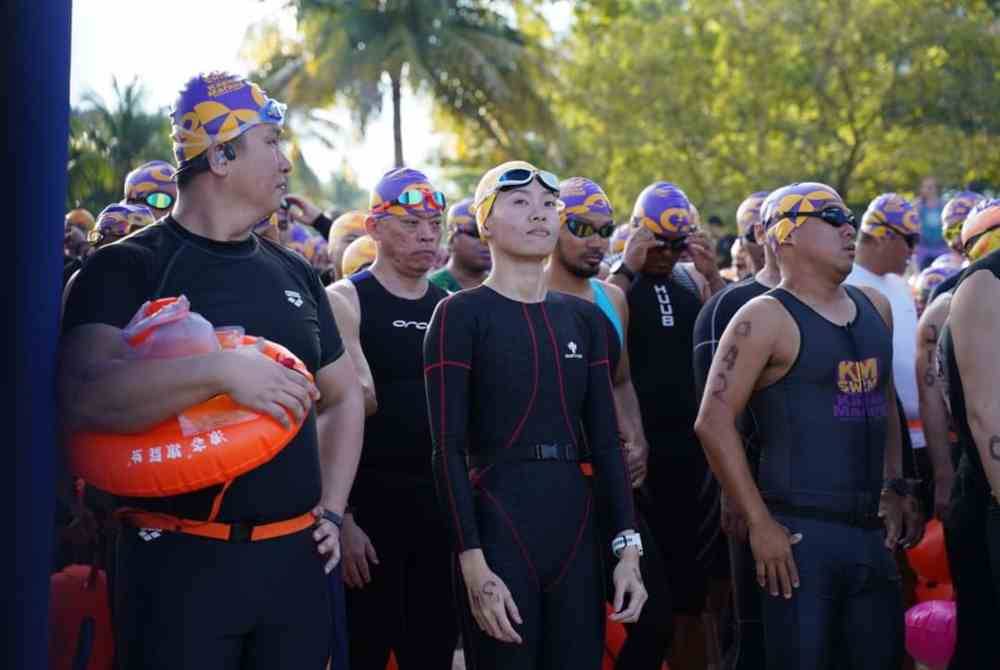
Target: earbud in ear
[[229, 151]]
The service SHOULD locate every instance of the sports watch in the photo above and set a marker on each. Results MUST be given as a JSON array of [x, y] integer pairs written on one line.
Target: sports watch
[[625, 540], [899, 486], [619, 267]]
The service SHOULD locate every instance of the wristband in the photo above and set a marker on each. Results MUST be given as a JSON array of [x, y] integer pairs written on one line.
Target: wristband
[[333, 518], [897, 485], [620, 543]]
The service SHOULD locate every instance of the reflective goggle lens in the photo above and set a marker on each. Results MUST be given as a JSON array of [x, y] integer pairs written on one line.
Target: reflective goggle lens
[[584, 229], [159, 200], [522, 176]]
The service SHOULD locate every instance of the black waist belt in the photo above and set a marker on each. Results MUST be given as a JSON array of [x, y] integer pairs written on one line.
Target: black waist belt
[[526, 452], [860, 519]]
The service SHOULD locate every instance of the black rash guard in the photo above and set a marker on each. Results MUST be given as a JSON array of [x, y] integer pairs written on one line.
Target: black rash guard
[[254, 283], [490, 389]]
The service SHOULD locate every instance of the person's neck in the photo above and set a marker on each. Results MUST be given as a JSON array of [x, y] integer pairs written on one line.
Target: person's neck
[[558, 278], [867, 259], [466, 277], [397, 283], [520, 279], [770, 274], [213, 216], [811, 287]]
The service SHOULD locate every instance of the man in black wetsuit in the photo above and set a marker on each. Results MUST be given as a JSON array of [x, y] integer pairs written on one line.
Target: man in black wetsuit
[[469, 257], [573, 268], [747, 649], [814, 360], [397, 558], [515, 376], [967, 359], [953, 216], [184, 598], [664, 297]]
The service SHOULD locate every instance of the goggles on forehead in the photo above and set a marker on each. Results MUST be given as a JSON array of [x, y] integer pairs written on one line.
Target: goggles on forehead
[[583, 229], [412, 198], [522, 176]]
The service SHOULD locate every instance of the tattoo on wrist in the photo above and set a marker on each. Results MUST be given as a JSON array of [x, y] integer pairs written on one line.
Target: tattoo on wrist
[[995, 447], [489, 591]]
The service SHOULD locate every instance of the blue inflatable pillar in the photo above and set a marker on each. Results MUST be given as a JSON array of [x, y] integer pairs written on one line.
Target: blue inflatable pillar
[[38, 54]]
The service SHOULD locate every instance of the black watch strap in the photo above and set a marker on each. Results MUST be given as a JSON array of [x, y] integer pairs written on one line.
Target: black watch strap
[[897, 485], [333, 518]]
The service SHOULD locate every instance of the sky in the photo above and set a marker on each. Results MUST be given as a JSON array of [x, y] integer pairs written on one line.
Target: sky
[[108, 41]]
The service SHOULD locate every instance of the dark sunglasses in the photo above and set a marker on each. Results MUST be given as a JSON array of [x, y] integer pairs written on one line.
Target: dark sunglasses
[[967, 247], [584, 229], [157, 200], [522, 176], [834, 216], [471, 232], [911, 239]]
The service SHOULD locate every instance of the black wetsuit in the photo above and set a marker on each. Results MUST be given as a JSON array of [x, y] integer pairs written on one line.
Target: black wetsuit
[[648, 640], [746, 652], [509, 385], [190, 602], [684, 516], [408, 606], [823, 430], [972, 529]]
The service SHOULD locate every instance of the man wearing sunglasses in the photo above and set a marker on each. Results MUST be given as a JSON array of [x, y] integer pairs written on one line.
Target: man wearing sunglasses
[[573, 268], [812, 359], [152, 185], [397, 563], [664, 298], [197, 584], [468, 256], [890, 231]]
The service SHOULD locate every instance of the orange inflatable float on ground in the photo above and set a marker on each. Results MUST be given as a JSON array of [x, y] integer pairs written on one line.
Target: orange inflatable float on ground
[[80, 633], [929, 559], [207, 444]]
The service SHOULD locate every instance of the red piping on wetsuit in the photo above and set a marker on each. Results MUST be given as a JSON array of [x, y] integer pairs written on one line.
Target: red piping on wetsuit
[[534, 389], [444, 448], [441, 364], [559, 377], [576, 545], [513, 529]]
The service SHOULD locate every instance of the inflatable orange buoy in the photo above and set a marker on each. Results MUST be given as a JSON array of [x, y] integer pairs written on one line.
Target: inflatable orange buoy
[[929, 559], [80, 633], [926, 590], [392, 665], [207, 444]]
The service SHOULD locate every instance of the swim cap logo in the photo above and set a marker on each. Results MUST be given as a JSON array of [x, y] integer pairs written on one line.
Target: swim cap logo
[[572, 351], [859, 396]]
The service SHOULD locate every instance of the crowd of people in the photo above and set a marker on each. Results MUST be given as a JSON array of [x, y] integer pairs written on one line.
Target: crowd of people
[[529, 417]]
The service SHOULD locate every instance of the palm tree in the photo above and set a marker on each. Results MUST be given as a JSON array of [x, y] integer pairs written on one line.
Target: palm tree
[[107, 141], [464, 53]]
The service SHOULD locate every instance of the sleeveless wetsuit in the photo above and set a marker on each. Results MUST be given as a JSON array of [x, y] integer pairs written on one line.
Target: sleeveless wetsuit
[[823, 429], [972, 529], [684, 514], [408, 606], [746, 650], [648, 639], [510, 387]]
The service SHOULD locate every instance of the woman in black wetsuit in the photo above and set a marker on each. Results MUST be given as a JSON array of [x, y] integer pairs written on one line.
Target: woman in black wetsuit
[[515, 376]]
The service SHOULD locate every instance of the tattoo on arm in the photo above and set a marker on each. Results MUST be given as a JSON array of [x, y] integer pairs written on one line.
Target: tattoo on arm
[[489, 591], [995, 447], [721, 387], [743, 328], [730, 358]]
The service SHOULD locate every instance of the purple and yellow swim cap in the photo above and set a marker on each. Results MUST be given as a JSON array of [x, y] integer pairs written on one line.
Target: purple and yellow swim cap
[[928, 279], [748, 214], [954, 214], [384, 197], [151, 177], [120, 219], [359, 253], [580, 195], [218, 107], [781, 208], [304, 240], [619, 238], [981, 230], [665, 210], [890, 211], [460, 216], [80, 218]]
